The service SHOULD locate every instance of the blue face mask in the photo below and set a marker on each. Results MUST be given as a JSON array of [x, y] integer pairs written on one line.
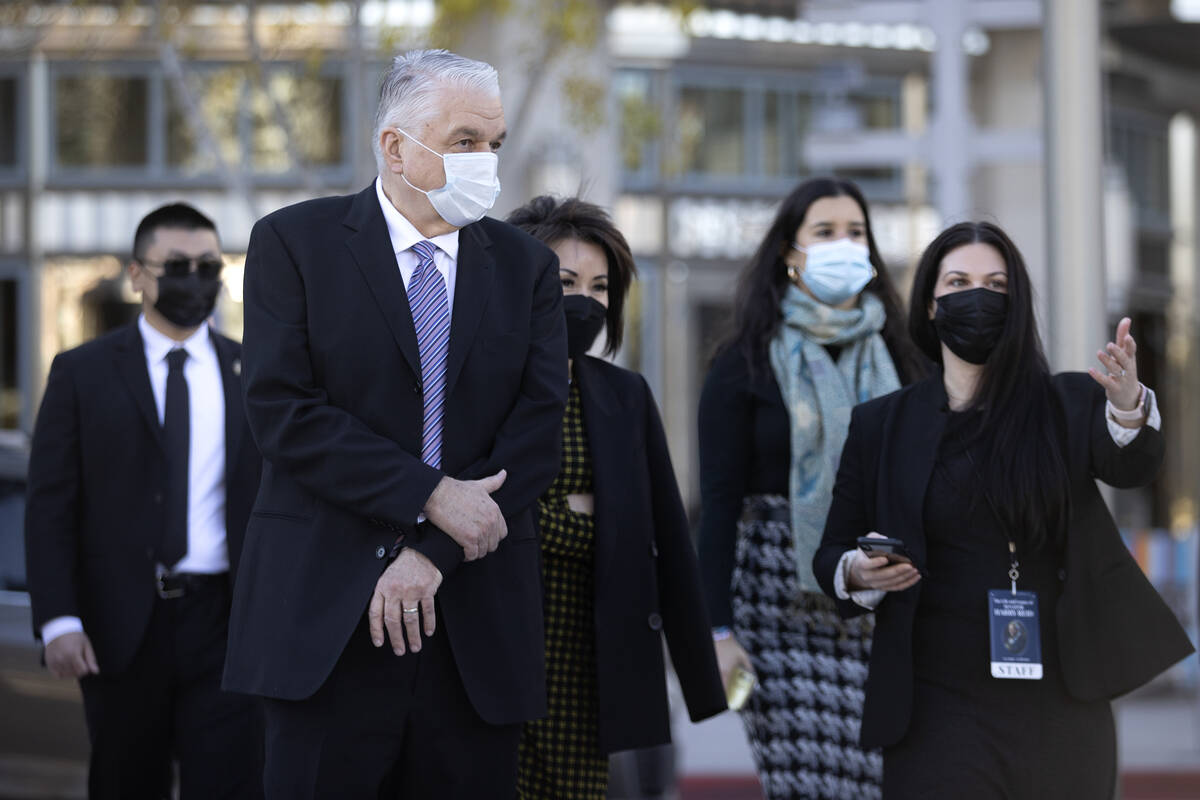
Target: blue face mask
[[836, 271]]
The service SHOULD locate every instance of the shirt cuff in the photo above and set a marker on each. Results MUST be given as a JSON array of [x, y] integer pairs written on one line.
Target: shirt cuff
[[1122, 435], [867, 598], [60, 626]]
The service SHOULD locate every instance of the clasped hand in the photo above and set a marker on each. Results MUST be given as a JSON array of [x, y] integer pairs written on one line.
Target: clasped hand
[[403, 599], [466, 512]]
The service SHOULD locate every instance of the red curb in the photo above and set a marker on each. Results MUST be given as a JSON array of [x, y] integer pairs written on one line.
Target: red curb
[[1160, 785]]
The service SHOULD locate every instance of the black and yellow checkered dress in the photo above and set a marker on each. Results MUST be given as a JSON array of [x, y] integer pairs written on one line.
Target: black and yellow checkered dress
[[560, 756]]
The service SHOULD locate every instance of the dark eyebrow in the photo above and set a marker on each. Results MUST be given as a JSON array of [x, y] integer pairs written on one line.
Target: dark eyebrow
[[474, 133], [181, 254], [568, 269], [989, 275], [819, 223]]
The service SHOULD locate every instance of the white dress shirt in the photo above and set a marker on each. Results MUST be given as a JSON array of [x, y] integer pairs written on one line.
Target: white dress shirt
[[1122, 436], [207, 549], [404, 235]]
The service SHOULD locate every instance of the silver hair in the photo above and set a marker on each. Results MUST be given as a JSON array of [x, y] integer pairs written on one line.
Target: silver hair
[[408, 89]]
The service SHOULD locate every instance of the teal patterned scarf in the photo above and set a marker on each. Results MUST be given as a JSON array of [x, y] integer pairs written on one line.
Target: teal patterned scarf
[[819, 396]]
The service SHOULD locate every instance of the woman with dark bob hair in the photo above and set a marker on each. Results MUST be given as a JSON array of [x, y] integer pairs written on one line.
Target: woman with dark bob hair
[[817, 329], [617, 557], [1013, 612]]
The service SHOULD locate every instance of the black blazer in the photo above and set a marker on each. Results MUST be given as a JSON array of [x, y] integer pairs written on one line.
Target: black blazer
[[97, 473], [333, 397], [1114, 631], [647, 578]]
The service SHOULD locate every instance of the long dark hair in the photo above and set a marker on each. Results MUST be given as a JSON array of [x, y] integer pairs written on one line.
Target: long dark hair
[[1024, 471], [552, 221], [763, 280]]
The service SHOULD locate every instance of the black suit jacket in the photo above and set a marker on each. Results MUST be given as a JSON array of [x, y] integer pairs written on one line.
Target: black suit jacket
[[647, 578], [334, 401], [97, 478], [1114, 631]]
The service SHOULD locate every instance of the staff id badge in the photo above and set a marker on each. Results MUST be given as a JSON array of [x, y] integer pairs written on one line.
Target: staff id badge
[[1015, 638]]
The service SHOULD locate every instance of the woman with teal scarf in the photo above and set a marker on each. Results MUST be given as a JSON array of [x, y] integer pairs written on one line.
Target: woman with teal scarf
[[817, 330]]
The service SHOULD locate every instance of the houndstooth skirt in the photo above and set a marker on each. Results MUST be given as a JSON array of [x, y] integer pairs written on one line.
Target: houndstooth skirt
[[804, 716]]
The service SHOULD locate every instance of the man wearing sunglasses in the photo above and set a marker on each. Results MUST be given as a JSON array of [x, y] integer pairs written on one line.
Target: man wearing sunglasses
[[141, 478]]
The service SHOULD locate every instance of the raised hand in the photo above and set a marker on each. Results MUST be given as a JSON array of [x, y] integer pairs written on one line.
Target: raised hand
[[1120, 379]]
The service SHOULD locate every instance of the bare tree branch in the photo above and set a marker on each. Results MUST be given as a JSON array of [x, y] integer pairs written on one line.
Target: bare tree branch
[[235, 180], [278, 113]]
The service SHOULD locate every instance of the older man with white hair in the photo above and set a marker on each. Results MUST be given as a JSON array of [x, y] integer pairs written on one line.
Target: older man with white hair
[[405, 378]]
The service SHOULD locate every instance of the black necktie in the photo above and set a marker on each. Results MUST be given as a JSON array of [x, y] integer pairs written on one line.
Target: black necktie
[[176, 436]]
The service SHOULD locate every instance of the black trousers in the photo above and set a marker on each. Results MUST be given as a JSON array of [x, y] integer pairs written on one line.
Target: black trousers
[[387, 726], [169, 705], [1023, 740]]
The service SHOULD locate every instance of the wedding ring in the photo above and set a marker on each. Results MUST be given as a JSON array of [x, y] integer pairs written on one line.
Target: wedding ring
[[410, 610]]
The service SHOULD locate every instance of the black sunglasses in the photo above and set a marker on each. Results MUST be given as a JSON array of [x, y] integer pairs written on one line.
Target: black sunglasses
[[207, 267]]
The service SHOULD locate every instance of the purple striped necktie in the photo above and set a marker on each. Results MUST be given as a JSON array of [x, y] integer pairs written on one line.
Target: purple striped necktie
[[431, 317]]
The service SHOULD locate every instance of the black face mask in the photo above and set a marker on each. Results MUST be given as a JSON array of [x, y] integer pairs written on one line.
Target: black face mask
[[187, 300], [971, 322], [585, 317]]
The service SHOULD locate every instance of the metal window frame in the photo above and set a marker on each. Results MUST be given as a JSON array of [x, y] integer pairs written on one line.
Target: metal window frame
[[157, 173], [755, 85]]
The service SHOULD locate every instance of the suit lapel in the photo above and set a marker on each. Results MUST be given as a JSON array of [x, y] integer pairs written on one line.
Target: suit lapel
[[473, 285], [919, 424], [371, 249], [602, 425], [130, 358], [231, 369]]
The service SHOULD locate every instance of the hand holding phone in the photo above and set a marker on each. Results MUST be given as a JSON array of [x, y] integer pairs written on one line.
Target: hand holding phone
[[897, 574], [891, 549]]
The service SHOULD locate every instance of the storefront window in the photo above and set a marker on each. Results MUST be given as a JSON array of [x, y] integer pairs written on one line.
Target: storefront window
[[218, 98], [237, 112], [710, 127], [8, 122], [877, 111], [101, 120]]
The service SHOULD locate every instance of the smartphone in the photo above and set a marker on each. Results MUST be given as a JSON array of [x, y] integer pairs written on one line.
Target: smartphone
[[893, 549]]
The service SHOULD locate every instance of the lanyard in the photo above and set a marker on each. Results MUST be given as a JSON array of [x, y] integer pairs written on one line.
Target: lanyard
[[1013, 571]]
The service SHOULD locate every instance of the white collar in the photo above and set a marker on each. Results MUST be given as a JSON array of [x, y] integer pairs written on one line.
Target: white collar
[[404, 234], [158, 344]]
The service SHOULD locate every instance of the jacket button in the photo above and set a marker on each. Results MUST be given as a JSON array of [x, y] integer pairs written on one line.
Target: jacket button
[[654, 621], [416, 387], [653, 550], [158, 498], [1062, 574], [380, 551]]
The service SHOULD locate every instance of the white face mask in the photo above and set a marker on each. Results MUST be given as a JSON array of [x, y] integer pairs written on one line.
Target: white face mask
[[836, 271], [471, 188]]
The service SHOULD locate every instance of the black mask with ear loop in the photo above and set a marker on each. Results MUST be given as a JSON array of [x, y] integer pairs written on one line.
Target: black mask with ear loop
[[187, 300], [585, 317], [971, 322]]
